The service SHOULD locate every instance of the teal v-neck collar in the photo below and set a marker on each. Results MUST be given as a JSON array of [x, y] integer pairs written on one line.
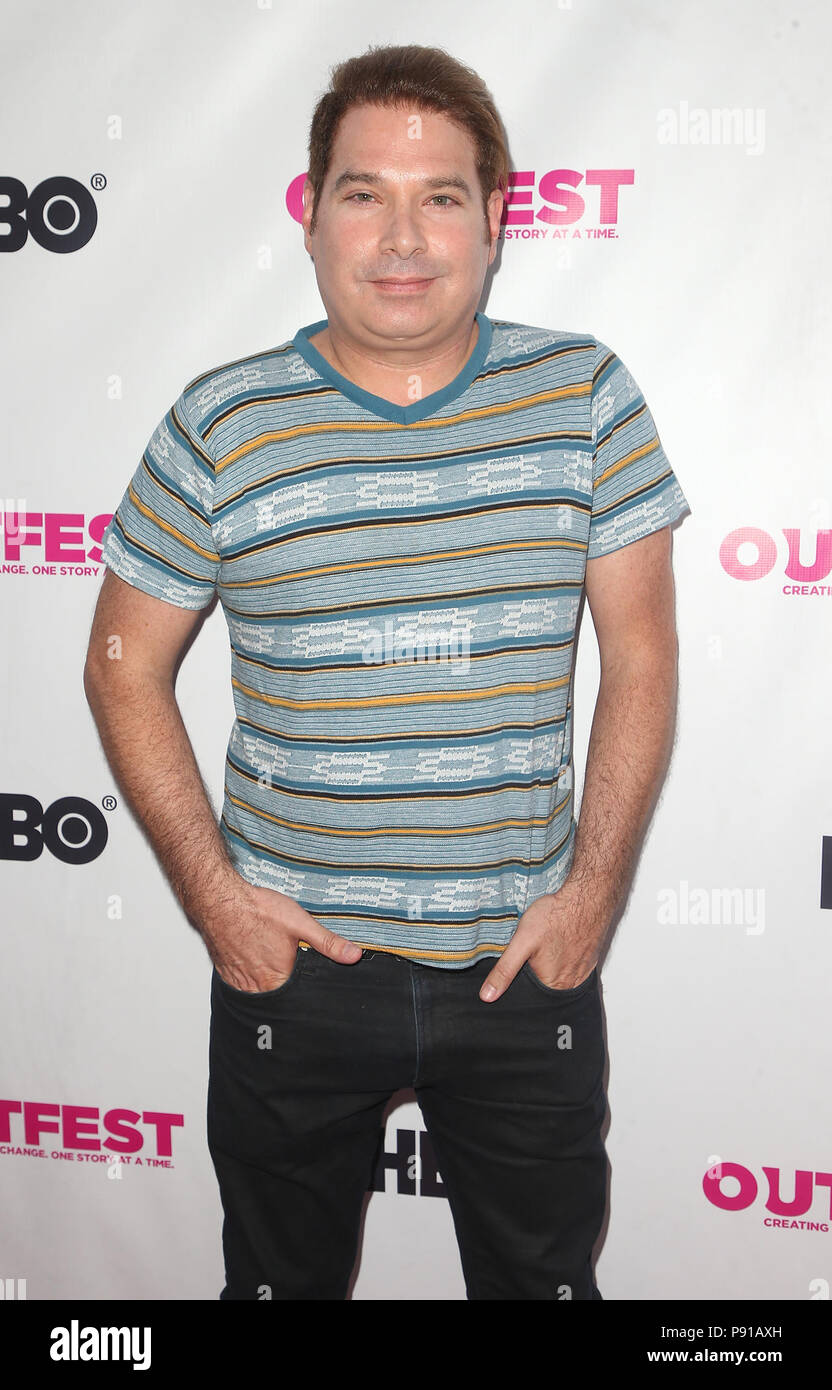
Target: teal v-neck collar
[[377, 405]]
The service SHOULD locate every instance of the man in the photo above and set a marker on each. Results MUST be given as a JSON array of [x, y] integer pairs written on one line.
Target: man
[[400, 509]]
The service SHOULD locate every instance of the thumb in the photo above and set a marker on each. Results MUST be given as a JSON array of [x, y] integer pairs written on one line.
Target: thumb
[[500, 977], [329, 943], [310, 932]]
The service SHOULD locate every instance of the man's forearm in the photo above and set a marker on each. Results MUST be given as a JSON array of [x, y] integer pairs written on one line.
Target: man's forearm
[[629, 751], [150, 753]]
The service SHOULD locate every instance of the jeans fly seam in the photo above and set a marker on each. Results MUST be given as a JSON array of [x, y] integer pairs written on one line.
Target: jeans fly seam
[[416, 1023]]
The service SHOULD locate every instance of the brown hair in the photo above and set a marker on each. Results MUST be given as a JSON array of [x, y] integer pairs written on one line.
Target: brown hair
[[415, 76]]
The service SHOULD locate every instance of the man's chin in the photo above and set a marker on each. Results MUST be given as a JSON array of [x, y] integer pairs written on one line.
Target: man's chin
[[400, 320]]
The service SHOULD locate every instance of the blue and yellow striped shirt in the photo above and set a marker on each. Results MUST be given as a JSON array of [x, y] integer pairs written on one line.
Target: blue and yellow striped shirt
[[401, 586]]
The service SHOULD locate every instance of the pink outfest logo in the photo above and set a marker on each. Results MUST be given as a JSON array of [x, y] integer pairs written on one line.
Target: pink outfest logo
[[81, 1133], [733, 1187], [760, 555], [559, 204], [558, 199], [53, 543]]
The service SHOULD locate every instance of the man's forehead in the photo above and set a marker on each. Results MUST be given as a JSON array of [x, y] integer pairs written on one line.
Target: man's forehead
[[409, 127]]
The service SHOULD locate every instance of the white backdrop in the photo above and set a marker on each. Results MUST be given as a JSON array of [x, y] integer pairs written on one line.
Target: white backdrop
[[186, 123]]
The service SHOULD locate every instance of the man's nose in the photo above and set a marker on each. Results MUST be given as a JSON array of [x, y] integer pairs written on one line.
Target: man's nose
[[403, 231]]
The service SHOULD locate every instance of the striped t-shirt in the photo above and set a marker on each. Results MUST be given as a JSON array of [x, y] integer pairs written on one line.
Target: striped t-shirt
[[401, 586]]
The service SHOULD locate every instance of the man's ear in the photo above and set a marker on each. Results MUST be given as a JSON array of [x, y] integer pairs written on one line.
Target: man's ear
[[496, 201], [308, 202]]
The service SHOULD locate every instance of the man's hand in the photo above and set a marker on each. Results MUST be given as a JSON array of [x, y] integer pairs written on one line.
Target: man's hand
[[253, 937], [560, 940]]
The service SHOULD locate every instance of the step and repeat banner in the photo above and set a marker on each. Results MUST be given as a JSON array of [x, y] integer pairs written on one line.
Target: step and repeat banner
[[668, 196]]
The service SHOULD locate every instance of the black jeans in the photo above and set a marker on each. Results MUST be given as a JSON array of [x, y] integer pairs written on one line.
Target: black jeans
[[512, 1097]]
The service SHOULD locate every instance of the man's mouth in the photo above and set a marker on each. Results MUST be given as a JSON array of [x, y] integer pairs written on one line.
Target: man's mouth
[[402, 284]]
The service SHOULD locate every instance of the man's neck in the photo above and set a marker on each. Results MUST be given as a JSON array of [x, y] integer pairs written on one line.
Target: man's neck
[[401, 384]]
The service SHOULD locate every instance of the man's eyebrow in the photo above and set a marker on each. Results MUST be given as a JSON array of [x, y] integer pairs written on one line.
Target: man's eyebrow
[[356, 176]]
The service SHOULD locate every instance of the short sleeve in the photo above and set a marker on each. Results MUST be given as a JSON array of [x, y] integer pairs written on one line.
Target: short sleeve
[[160, 537], [634, 489]]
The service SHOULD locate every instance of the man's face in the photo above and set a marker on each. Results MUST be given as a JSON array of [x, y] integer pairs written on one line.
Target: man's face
[[401, 202]]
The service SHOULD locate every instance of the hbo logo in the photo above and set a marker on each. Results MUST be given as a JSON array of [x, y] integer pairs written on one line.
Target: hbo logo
[[72, 828], [60, 214]]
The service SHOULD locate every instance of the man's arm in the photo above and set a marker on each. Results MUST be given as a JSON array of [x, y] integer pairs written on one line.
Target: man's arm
[[135, 644], [631, 596]]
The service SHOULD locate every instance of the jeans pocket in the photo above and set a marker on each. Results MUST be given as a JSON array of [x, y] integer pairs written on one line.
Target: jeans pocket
[[240, 995], [583, 988]]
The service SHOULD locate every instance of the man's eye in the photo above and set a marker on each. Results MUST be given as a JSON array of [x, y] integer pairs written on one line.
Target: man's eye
[[446, 196]]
